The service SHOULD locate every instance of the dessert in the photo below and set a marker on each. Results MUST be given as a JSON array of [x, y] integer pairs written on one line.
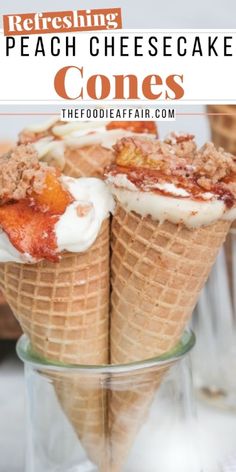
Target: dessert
[[81, 149], [175, 204], [54, 273]]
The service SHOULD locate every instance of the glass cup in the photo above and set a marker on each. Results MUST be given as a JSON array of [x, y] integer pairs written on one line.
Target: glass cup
[[137, 417], [214, 322]]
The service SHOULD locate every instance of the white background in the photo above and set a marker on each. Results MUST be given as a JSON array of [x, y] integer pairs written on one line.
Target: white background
[[205, 79]]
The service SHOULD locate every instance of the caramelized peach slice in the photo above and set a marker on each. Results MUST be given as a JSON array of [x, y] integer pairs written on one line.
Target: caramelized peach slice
[[54, 198], [130, 155], [30, 230], [134, 126]]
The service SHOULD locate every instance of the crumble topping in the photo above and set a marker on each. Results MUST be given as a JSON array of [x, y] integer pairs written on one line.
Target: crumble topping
[[178, 161], [212, 165], [21, 173]]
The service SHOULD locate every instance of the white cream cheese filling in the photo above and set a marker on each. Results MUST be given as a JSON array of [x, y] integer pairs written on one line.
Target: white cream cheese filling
[[78, 228], [192, 213], [76, 135]]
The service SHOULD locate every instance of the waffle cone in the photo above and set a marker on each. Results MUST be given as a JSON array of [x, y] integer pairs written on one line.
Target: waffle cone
[[63, 308], [223, 126], [158, 271], [2, 299], [89, 161]]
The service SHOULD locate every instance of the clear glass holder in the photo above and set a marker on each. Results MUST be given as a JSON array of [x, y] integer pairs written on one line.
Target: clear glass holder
[[137, 417], [214, 322]]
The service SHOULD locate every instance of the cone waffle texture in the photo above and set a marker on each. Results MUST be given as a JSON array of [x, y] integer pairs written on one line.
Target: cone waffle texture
[[2, 299], [129, 403], [84, 402], [223, 126], [87, 161], [158, 271], [63, 308]]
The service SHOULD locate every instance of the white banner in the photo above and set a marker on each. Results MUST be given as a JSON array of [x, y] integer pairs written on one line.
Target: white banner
[[163, 67]]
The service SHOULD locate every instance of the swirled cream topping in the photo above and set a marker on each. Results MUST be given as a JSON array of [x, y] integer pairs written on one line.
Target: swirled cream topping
[[43, 213], [50, 139]]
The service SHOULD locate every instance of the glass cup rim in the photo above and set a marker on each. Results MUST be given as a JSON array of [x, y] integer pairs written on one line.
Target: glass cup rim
[[184, 346]]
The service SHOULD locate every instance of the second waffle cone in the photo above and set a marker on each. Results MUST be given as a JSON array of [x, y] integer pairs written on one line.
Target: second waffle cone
[[87, 161], [158, 270], [223, 126]]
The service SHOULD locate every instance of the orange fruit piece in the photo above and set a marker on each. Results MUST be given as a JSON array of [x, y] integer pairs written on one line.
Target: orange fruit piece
[[30, 223], [53, 198], [134, 126], [30, 230]]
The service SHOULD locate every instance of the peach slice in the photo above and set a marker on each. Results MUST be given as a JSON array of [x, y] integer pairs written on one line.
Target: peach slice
[[134, 126], [30, 230], [30, 223], [53, 198]]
